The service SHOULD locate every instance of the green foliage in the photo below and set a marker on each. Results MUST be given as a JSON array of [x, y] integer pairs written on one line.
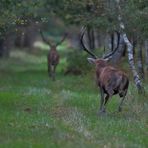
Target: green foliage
[[17, 12], [95, 13], [77, 60], [135, 14], [90, 13]]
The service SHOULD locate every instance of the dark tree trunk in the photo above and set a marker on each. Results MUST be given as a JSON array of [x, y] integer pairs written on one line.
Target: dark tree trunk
[[140, 62], [107, 43], [146, 53], [120, 50], [101, 38], [4, 49], [26, 36], [97, 40], [134, 43], [1, 47], [124, 52], [20, 39], [112, 41], [91, 40]]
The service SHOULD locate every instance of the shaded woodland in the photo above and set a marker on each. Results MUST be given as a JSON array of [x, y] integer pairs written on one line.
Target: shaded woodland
[[48, 89], [110, 25]]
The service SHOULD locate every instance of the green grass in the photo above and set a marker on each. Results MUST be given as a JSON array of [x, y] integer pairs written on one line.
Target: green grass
[[37, 112]]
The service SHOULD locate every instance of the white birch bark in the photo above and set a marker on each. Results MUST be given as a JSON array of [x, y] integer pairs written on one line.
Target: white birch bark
[[130, 50]]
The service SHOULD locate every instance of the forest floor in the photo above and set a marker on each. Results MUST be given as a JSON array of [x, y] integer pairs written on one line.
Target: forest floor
[[37, 112]]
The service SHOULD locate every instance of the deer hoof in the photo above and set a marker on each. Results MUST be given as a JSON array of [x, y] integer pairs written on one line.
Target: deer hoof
[[100, 113]]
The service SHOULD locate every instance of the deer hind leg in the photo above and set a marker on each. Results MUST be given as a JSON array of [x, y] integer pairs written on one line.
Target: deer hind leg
[[122, 94], [103, 101]]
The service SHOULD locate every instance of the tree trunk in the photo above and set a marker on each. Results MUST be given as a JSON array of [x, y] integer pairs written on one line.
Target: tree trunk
[[74, 38], [120, 51], [107, 43], [112, 41], [140, 62], [134, 43], [20, 38], [130, 50], [26, 36], [131, 62], [146, 53], [91, 42], [101, 38], [1, 47], [4, 50], [97, 41]]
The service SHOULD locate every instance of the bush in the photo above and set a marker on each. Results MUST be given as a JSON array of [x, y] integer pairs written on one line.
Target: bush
[[77, 62]]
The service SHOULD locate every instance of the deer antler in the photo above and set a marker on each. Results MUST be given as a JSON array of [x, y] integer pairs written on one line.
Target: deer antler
[[62, 40], [45, 40], [84, 48]]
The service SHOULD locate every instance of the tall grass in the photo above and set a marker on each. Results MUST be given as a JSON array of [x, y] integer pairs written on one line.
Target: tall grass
[[37, 112]]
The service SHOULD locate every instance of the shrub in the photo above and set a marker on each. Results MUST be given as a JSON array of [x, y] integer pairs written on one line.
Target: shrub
[[77, 62]]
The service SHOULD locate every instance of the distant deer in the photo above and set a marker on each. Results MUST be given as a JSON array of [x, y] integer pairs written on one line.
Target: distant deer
[[110, 80], [53, 55]]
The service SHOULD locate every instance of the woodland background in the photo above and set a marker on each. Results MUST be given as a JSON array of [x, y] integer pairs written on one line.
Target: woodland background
[[38, 112]]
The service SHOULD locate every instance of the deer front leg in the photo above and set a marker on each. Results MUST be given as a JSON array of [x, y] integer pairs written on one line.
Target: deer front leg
[[102, 101], [53, 72]]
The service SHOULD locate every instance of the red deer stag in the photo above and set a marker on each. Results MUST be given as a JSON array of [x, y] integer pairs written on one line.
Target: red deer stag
[[109, 79], [53, 55]]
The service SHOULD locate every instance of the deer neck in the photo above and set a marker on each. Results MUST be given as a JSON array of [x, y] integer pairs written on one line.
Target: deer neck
[[98, 70], [53, 48]]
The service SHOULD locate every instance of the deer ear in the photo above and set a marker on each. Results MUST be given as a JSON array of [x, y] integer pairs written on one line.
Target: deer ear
[[91, 60]]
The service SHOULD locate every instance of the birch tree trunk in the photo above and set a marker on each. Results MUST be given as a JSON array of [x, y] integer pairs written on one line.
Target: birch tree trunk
[[130, 50], [146, 53], [131, 62]]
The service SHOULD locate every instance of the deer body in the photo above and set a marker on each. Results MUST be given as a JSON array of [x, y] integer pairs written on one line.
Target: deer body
[[53, 60], [110, 80], [53, 57]]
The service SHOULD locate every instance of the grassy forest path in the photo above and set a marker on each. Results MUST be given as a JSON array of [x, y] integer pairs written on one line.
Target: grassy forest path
[[38, 112]]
